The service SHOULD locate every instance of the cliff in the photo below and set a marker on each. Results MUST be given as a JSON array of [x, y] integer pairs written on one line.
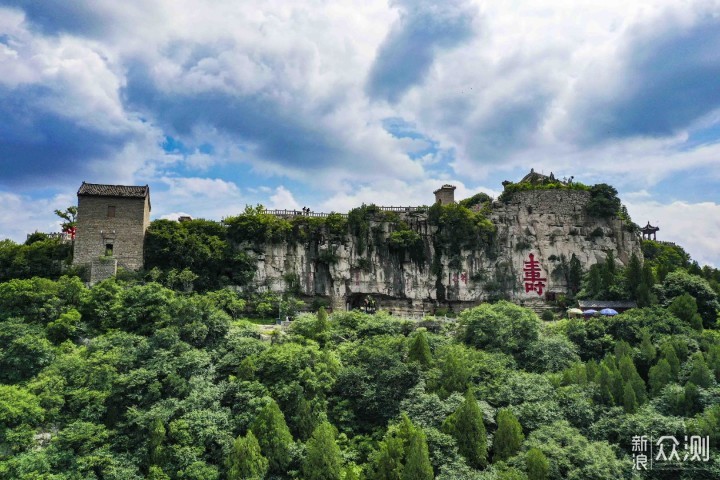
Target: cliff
[[347, 269]]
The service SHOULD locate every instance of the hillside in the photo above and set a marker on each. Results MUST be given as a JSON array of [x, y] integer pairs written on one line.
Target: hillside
[[134, 380]]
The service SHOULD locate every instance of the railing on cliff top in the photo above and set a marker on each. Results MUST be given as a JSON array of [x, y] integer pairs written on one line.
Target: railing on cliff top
[[300, 213], [63, 236]]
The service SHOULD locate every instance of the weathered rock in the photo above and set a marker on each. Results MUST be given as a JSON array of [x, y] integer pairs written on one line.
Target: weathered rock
[[549, 224]]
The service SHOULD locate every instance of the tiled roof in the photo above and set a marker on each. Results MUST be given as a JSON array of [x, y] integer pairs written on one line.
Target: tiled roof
[[606, 304], [94, 189]]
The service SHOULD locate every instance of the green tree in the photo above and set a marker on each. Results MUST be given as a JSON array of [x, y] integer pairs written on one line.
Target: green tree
[[538, 467], [245, 461], [323, 460], [630, 402], [155, 441], [273, 436], [631, 377], [467, 427], [700, 374], [691, 400], [659, 376], [500, 326], [685, 308], [648, 352], [633, 276], [454, 371], [604, 202], [387, 464], [667, 351], [680, 282], [69, 215], [417, 459], [575, 275], [156, 473], [322, 327], [508, 436], [419, 350]]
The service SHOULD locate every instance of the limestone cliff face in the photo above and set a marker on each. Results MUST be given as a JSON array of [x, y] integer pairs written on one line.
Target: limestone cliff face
[[549, 224]]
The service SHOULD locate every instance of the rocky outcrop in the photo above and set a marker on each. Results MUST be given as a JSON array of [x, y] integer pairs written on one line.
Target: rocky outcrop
[[550, 225]]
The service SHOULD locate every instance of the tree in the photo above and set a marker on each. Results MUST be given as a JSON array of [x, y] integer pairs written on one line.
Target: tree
[[680, 282], [419, 350], [156, 473], [700, 374], [322, 326], [273, 436], [508, 436], [538, 467], [387, 464], [70, 217], [691, 404], [467, 427], [245, 461], [417, 459], [667, 351], [604, 202], [633, 276], [659, 376], [648, 352], [685, 308], [631, 377], [575, 274], [155, 441], [630, 402], [454, 371], [323, 460], [501, 326]]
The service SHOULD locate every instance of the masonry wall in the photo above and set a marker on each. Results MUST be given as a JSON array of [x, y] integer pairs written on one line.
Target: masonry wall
[[125, 231], [445, 196]]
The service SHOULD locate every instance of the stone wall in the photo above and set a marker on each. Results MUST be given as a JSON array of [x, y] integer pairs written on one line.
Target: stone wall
[[125, 231], [100, 269]]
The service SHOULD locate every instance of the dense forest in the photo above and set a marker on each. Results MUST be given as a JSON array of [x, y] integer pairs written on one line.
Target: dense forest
[[170, 374]]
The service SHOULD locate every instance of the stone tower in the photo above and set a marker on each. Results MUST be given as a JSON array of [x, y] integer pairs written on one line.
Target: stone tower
[[111, 224], [445, 195]]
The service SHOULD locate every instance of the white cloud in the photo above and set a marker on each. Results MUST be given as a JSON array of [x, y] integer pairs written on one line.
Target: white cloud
[[694, 226], [397, 193], [280, 87], [20, 215], [283, 199]]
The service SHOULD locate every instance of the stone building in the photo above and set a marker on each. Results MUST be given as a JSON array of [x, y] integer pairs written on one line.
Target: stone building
[[445, 195], [111, 225]]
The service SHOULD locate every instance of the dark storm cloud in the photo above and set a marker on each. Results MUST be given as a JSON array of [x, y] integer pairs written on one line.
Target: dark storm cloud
[[38, 145], [273, 130], [407, 53], [670, 78]]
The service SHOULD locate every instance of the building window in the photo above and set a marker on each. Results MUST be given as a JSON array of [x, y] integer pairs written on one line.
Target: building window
[[108, 249], [111, 211]]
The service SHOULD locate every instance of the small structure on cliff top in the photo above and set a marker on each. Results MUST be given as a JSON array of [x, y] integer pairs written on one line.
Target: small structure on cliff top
[[111, 225], [649, 230], [445, 195]]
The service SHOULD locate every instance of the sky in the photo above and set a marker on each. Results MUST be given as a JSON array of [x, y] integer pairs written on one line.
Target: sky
[[331, 104]]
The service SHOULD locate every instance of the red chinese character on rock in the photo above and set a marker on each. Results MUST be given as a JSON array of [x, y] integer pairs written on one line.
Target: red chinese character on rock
[[533, 281]]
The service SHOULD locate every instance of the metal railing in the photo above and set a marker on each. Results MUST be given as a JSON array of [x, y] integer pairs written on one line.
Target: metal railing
[[300, 213], [62, 236]]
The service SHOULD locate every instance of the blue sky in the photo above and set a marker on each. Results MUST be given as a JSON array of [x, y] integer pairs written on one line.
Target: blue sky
[[329, 104]]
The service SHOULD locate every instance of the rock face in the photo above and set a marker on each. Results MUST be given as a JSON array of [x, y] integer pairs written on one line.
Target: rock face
[[550, 225]]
